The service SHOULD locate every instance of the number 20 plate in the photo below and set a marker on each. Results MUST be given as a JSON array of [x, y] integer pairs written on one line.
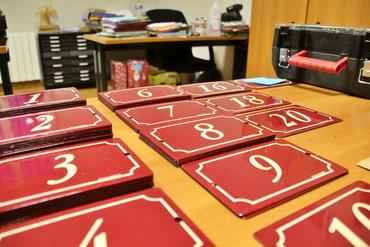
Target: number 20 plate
[[187, 141], [145, 218], [341, 219], [290, 120], [251, 179], [43, 177], [141, 96]]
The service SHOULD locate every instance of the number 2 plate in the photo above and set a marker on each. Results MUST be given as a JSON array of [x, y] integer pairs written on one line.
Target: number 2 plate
[[145, 218], [187, 141], [51, 128], [18, 104], [244, 102], [200, 90], [166, 113], [341, 219], [251, 179], [141, 96], [43, 177], [290, 120]]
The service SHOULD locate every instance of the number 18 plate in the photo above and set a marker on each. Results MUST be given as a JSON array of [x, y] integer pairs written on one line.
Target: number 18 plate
[[340, 219]]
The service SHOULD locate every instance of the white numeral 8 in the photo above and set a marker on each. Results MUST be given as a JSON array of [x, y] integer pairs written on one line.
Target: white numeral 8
[[209, 128]]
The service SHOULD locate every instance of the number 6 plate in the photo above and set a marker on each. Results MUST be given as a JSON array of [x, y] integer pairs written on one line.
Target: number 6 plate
[[249, 180], [341, 219], [290, 120], [69, 172], [141, 96], [187, 141]]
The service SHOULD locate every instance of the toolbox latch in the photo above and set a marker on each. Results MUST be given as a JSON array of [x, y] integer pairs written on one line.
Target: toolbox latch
[[364, 75], [284, 55]]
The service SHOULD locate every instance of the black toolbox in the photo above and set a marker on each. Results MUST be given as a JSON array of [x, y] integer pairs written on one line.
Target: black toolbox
[[332, 57]]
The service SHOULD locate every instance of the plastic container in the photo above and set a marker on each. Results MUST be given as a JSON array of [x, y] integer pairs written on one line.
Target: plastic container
[[215, 17]]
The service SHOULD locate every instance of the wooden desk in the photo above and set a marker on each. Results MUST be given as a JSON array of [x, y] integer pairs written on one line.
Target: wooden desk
[[4, 59], [103, 44], [345, 143]]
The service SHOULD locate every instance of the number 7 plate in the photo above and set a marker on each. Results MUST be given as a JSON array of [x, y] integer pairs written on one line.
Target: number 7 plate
[[290, 120], [251, 179], [141, 96], [191, 140], [69, 175], [340, 219], [51, 128]]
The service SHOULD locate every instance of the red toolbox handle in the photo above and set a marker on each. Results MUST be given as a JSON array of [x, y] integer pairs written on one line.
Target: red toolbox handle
[[301, 60]]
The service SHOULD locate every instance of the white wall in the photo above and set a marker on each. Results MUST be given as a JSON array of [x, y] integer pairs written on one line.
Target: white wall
[[21, 16]]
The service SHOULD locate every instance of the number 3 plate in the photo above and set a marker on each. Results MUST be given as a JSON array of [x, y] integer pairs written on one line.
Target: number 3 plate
[[341, 219], [187, 141], [290, 120], [249, 180], [68, 171]]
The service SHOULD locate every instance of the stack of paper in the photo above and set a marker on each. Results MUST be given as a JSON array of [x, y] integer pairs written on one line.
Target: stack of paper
[[125, 26]]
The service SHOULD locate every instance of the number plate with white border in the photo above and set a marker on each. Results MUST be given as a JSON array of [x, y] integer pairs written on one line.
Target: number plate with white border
[[145, 218], [251, 179], [244, 102], [199, 90], [340, 219], [290, 120], [141, 96], [47, 175], [51, 128], [187, 141], [166, 113], [17, 104]]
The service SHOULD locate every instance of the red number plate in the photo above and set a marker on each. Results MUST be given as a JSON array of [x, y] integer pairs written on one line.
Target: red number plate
[[245, 83], [183, 142], [244, 102], [141, 96], [199, 90], [18, 104], [166, 113], [341, 219], [40, 177], [252, 179], [145, 218], [290, 120], [51, 128]]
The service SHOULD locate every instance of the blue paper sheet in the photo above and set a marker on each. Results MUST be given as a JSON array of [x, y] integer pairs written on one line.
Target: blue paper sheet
[[264, 80]]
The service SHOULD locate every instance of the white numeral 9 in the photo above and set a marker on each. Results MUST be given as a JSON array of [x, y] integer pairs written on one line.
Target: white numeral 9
[[143, 93], [66, 164], [337, 225], [298, 116], [209, 128], [253, 160]]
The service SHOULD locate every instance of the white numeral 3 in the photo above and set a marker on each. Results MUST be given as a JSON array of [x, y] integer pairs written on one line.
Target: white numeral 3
[[66, 164]]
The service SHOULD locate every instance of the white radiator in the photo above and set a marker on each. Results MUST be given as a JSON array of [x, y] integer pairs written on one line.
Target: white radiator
[[24, 62]]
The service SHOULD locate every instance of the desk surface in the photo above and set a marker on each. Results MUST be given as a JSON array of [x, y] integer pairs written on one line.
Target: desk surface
[[3, 49], [112, 41], [345, 143]]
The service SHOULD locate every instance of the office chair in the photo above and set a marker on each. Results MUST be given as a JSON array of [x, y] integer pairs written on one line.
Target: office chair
[[178, 59]]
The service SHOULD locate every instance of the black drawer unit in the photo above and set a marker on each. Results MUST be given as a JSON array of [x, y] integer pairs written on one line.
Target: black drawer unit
[[67, 59]]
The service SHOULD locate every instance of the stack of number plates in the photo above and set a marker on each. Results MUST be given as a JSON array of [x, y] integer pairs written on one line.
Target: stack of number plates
[[51, 128], [145, 218], [19, 104], [40, 182], [141, 96], [190, 140]]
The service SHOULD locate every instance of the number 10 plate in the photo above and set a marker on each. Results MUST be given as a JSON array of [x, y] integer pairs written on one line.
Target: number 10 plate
[[341, 219]]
